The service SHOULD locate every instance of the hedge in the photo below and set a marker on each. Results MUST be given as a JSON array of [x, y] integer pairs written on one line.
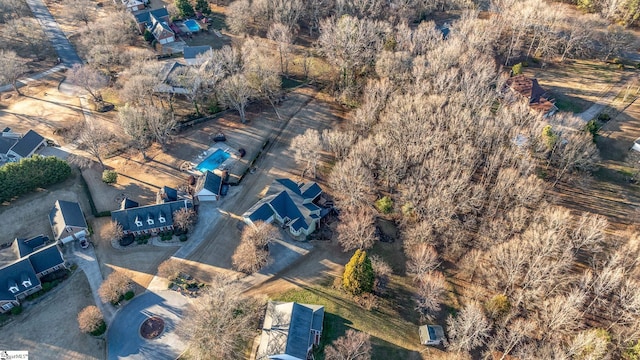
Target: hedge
[[31, 173]]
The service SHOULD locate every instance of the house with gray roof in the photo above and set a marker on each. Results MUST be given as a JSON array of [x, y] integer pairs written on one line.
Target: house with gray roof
[[175, 78], [290, 331], [291, 205], [191, 54], [157, 22], [21, 277], [209, 187], [14, 146], [67, 221], [149, 219]]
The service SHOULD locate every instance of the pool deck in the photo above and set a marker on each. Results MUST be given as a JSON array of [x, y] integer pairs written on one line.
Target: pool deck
[[234, 164]]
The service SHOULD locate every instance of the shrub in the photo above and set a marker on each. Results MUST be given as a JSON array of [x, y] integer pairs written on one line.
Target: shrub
[[516, 69], [109, 176], [31, 173], [638, 65], [148, 36], [632, 352], [384, 205], [550, 138], [592, 127], [129, 295], [183, 237], [498, 306], [604, 117], [100, 330], [47, 286], [16, 310], [358, 274]]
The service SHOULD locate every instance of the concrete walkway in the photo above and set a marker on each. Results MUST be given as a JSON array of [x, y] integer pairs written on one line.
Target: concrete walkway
[[606, 99], [26, 80], [87, 262]]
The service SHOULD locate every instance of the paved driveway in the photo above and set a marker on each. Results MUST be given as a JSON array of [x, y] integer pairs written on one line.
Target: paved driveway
[[65, 50], [123, 337]]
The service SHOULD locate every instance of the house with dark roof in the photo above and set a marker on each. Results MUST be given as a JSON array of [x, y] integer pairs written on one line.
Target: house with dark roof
[[67, 221], [34, 258], [290, 331], [209, 187], [27, 145], [174, 78], [158, 23], [149, 219], [530, 90], [291, 205], [191, 54]]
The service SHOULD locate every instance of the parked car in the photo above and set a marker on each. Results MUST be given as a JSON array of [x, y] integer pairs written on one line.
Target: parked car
[[84, 243]]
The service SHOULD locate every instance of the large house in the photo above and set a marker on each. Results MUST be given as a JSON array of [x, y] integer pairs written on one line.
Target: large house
[[537, 97], [289, 204], [14, 146], [290, 331], [149, 219], [68, 222], [26, 261], [158, 23]]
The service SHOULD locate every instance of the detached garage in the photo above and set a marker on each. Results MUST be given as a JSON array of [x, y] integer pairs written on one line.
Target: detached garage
[[209, 187], [68, 222]]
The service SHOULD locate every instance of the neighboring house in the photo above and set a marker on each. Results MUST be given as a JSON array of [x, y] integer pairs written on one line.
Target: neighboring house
[[290, 331], [67, 221], [36, 257], [431, 335], [536, 96], [149, 219], [14, 147], [175, 78], [158, 23], [209, 187], [134, 5], [290, 205], [191, 54]]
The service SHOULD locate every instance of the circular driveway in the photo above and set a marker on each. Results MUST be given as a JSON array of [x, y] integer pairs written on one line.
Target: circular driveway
[[123, 337]]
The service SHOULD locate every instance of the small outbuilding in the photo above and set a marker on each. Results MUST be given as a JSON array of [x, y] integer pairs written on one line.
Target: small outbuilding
[[431, 335], [209, 187]]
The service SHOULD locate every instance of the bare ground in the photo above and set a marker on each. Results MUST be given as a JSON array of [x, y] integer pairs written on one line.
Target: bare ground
[[49, 330]]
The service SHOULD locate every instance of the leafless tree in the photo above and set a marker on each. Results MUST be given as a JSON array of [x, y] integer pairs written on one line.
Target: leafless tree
[[88, 78], [281, 35], [316, 10], [431, 290], [338, 141], [307, 149], [25, 36], [261, 74], [422, 259], [239, 16], [81, 10], [235, 92], [171, 268], [560, 315], [614, 41], [95, 140], [90, 319], [12, 9], [469, 329], [114, 286], [184, 219], [220, 323], [356, 229], [12, 68], [134, 123], [354, 345], [352, 182], [512, 336], [252, 254], [382, 271], [111, 231], [160, 124]]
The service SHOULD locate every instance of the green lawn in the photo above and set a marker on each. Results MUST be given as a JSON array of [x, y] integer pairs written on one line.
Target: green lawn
[[393, 336]]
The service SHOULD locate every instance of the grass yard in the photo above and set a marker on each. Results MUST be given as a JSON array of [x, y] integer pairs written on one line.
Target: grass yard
[[392, 335]]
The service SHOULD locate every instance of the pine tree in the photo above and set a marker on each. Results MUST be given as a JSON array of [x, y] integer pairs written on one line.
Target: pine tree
[[184, 8], [358, 274], [203, 6]]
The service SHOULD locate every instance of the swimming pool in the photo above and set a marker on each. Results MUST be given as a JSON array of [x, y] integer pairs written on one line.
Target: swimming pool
[[192, 25], [213, 161]]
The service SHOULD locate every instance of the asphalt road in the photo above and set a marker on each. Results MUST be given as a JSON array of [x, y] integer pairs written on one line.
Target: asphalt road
[[123, 337], [66, 52]]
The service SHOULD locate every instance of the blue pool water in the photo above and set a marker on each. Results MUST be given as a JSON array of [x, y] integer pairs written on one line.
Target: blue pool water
[[192, 25], [213, 161]]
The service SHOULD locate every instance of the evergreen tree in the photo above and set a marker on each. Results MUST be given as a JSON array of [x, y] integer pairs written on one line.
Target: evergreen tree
[[184, 8], [358, 274], [203, 7]]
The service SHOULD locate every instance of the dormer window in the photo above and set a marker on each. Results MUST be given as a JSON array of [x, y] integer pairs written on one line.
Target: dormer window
[[13, 287], [138, 222], [149, 219], [162, 219], [26, 283]]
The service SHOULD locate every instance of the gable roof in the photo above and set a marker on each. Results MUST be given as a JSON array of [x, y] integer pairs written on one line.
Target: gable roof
[[24, 247], [6, 143], [168, 194], [13, 275], [46, 258], [27, 144], [211, 182], [287, 329], [288, 200], [526, 87], [191, 52], [66, 213], [128, 204], [161, 30], [127, 217], [145, 16]]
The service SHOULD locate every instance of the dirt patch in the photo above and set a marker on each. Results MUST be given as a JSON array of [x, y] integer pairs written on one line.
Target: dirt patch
[[49, 330], [152, 328]]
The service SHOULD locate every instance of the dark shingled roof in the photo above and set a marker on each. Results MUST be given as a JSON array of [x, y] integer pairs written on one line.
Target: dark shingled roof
[[28, 144], [46, 258], [191, 52], [13, 274], [145, 17], [171, 194], [24, 247], [6, 144], [211, 182], [289, 333], [127, 217], [66, 213], [128, 204]]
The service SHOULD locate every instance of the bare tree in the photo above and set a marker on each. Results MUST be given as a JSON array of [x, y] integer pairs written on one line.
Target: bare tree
[[422, 259], [382, 271], [281, 35], [352, 182], [239, 16], [220, 322], [95, 140], [90, 319], [235, 92], [614, 41], [431, 290], [338, 141], [307, 149], [171, 268], [184, 219], [81, 10], [12, 9], [160, 124], [87, 78], [114, 286], [354, 345], [252, 254], [111, 231], [356, 229], [134, 123], [12, 68], [469, 329]]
